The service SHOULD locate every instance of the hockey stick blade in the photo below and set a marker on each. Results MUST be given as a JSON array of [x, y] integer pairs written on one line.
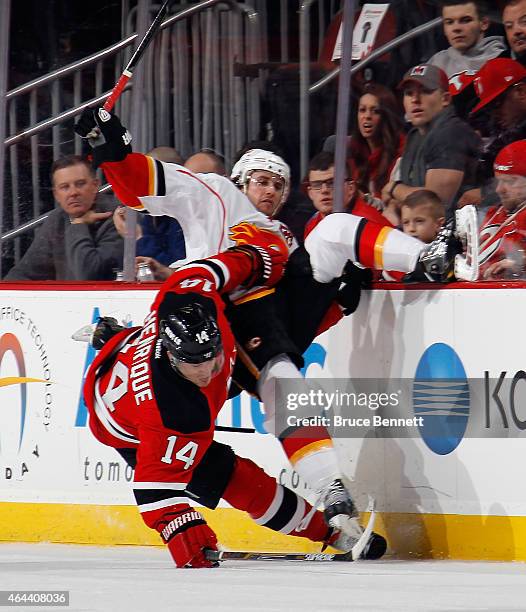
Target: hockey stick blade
[[231, 555]]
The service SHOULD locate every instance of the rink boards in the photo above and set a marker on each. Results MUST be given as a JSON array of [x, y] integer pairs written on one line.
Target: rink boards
[[462, 496]]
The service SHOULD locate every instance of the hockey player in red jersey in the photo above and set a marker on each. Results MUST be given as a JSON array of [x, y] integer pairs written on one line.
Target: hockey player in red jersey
[[503, 230], [153, 393], [274, 336]]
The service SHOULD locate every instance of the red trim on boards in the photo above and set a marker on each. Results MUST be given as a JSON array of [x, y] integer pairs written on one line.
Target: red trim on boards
[[123, 286], [76, 286]]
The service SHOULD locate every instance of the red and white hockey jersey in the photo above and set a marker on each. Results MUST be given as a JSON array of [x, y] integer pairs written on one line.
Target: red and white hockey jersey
[[502, 235], [136, 400], [213, 213]]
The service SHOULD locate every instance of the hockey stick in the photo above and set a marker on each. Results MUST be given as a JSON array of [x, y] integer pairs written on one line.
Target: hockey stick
[[371, 546], [359, 547], [235, 555], [231, 555], [127, 73]]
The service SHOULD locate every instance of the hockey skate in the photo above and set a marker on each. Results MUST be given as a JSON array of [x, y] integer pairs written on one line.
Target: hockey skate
[[97, 334], [454, 252], [437, 259], [348, 535]]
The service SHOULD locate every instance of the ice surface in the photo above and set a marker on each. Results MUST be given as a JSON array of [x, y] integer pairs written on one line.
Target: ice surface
[[133, 579]]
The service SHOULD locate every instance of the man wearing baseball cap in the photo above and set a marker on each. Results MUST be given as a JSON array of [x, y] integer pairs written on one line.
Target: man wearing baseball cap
[[441, 150], [502, 235], [501, 88]]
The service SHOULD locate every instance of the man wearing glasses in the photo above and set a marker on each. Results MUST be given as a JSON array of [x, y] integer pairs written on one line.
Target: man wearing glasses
[[320, 188]]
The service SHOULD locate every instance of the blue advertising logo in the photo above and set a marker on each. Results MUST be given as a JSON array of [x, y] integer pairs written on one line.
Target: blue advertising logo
[[441, 396]]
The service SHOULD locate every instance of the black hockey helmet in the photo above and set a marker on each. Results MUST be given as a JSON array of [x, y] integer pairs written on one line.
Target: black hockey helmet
[[190, 334]]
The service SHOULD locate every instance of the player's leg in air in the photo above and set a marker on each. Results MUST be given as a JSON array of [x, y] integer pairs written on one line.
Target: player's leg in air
[[341, 237]]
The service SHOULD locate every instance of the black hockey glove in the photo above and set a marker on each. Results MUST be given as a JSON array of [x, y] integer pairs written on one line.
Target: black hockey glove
[[354, 279], [107, 327], [109, 139]]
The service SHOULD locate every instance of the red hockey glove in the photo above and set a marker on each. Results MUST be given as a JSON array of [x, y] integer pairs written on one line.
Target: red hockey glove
[[268, 264], [187, 535], [109, 139]]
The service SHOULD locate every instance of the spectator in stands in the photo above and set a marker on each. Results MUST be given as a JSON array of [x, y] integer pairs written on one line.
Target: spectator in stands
[[320, 187], [159, 237], [465, 23], [501, 87], [206, 161], [514, 20], [503, 230], [162, 237], [441, 151], [423, 214], [377, 140], [78, 241]]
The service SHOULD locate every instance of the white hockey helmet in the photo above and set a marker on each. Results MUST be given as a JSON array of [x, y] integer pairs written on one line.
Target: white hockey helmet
[[259, 159]]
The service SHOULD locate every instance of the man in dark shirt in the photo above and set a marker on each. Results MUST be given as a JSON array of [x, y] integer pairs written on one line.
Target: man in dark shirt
[[77, 241], [441, 150]]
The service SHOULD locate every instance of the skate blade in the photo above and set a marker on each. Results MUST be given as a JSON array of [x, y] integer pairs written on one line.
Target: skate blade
[[467, 265]]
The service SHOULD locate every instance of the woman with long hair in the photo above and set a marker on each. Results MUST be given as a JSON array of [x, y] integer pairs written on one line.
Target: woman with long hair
[[378, 138]]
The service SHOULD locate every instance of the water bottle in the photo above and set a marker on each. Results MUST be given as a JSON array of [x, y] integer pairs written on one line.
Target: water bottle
[[144, 274]]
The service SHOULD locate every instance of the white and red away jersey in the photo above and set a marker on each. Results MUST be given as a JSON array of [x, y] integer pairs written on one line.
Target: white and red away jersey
[[213, 213]]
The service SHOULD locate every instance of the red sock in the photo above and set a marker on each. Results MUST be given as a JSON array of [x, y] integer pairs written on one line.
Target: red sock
[[270, 504]]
